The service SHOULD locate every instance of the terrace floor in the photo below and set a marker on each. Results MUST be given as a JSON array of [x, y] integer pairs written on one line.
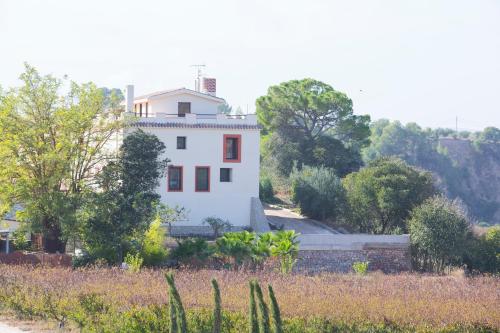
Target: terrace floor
[[293, 221]]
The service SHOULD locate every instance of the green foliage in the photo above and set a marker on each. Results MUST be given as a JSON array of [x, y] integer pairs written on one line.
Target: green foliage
[[266, 191], [134, 262], [382, 195], [62, 139], [445, 158], [192, 251], [311, 123], [483, 252], [360, 267], [218, 225], [285, 246], [153, 247], [263, 312], [116, 218], [275, 312], [180, 314], [490, 135], [438, 231], [20, 241], [217, 325], [318, 192], [236, 245], [252, 314]]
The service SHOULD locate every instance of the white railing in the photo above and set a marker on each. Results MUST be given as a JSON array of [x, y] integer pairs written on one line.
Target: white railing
[[194, 118]]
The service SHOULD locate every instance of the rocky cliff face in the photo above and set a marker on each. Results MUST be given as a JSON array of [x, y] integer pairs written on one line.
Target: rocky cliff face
[[473, 176]]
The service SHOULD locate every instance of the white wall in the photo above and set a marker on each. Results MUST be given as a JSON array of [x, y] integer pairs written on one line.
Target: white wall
[[205, 148], [169, 103]]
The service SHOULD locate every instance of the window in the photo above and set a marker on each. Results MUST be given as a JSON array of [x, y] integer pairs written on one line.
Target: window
[[183, 108], [175, 179], [232, 148], [140, 110], [202, 179], [226, 175], [181, 142]]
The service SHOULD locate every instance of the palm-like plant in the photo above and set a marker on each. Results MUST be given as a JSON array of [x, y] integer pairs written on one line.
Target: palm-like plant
[[237, 245], [285, 246]]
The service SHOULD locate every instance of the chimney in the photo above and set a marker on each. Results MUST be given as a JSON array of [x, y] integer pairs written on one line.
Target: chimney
[[208, 86], [129, 98]]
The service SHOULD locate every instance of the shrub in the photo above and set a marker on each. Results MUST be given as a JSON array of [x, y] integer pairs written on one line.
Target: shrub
[[318, 192], [438, 231], [192, 251], [266, 191], [134, 262], [483, 252], [218, 225], [20, 241], [236, 245], [285, 246], [382, 195], [360, 267], [153, 249]]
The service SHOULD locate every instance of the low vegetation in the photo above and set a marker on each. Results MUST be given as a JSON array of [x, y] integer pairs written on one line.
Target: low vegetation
[[113, 300]]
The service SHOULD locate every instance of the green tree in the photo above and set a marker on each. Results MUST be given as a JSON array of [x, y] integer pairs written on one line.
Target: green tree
[[490, 135], [50, 149], [382, 195], [153, 249], [438, 230], [311, 123], [318, 192], [119, 214]]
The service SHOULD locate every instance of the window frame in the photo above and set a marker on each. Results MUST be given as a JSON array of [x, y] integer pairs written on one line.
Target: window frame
[[177, 142], [230, 175], [181, 178], [196, 178], [183, 115], [224, 147]]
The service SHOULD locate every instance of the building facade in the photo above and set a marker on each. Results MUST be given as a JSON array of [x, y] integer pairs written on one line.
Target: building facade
[[214, 158]]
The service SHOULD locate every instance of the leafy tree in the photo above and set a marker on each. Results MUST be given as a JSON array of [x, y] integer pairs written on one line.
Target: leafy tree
[[318, 192], [313, 124], [153, 249], [438, 231], [122, 211], [225, 108], [51, 148], [490, 135], [382, 195]]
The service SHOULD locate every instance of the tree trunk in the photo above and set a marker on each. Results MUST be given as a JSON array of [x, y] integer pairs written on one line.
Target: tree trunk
[[52, 238]]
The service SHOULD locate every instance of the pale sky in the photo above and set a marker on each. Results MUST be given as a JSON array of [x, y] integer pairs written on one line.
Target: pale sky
[[427, 61]]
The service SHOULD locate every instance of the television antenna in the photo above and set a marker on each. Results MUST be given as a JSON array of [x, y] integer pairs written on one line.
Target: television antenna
[[198, 75]]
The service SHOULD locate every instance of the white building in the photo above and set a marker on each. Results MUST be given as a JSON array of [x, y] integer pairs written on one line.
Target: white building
[[214, 158]]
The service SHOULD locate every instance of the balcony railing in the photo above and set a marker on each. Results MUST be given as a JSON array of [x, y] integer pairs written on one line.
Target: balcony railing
[[193, 118]]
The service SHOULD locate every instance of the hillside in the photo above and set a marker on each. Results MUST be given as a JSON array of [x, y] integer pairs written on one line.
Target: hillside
[[478, 184], [466, 168]]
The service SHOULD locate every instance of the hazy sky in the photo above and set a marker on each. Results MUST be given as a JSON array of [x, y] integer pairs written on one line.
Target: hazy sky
[[422, 61]]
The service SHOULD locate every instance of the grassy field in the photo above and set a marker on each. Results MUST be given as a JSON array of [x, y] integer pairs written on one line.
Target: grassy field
[[405, 302]]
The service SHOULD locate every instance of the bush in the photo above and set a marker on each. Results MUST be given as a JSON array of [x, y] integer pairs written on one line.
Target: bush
[[266, 191], [382, 195], [483, 252], [360, 267], [134, 262], [318, 192], [438, 230], [218, 225], [153, 248], [192, 251]]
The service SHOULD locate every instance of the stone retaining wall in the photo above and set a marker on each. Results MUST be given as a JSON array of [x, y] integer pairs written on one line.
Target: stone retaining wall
[[385, 260], [337, 253]]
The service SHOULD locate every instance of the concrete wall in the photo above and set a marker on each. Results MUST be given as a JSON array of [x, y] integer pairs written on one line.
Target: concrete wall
[[231, 201], [168, 104], [337, 253]]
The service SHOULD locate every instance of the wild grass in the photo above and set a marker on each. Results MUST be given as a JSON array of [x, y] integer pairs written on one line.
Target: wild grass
[[406, 299]]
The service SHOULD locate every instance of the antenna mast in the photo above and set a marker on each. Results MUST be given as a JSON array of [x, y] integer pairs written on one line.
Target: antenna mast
[[197, 82]]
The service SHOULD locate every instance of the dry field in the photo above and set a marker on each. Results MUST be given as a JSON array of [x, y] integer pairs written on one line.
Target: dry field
[[405, 299]]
